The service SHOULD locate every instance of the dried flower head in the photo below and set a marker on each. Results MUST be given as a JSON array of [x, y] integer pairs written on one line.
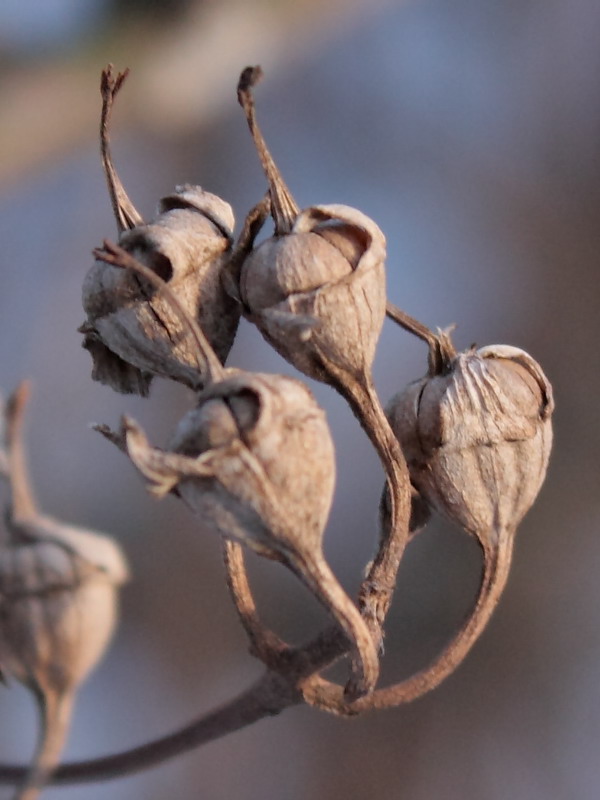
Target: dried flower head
[[58, 602], [255, 460], [130, 332]]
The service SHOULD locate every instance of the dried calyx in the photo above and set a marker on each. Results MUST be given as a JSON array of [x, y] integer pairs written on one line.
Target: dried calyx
[[316, 291], [255, 460], [58, 590], [130, 332]]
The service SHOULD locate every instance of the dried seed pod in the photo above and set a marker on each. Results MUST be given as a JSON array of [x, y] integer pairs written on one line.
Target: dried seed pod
[[316, 289], [58, 603], [477, 437], [255, 460], [131, 332]]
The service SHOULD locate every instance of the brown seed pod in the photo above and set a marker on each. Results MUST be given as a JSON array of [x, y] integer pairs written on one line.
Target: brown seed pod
[[477, 437], [255, 461], [316, 289], [57, 603], [130, 332]]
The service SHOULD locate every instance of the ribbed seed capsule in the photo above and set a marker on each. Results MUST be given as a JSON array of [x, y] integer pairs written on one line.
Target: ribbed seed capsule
[[477, 437]]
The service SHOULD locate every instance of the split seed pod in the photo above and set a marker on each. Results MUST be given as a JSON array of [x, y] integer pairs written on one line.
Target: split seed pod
[[316, 289], [255, 461], [57, 603], [131, 334]]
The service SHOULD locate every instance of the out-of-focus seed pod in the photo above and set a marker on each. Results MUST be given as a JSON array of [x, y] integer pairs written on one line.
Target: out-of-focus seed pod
[[130, 332], [58, 603]]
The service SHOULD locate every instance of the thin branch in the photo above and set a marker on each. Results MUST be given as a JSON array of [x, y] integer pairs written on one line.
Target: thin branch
[[275, 692], [284, 207], [441, 349], [264, 643], [267, 697]]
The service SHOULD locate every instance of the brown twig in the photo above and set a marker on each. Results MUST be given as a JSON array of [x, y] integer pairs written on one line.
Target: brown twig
[[126, 215], [284, 207], [441, 349]]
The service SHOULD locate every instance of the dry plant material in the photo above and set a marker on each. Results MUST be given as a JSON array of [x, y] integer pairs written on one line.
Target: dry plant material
[[58, 602], [477, 435], [255, 461], [131, 333], [316, 291]]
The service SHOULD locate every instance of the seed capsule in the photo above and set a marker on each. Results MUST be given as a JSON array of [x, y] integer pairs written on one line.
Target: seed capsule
[[477, 437], [316, 289], [133, 334]]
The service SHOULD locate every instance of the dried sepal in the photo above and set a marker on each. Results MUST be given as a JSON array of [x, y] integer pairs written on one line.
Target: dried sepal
[[130, 331], [255, 461], [58, 597]]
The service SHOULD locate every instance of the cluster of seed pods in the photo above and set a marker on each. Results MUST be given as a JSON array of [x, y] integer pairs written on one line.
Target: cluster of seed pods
[[255, 458]]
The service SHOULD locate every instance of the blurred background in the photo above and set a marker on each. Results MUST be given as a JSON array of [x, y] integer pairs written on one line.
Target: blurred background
[[469, 131]]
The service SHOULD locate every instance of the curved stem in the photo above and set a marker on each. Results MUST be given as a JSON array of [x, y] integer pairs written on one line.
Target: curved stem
[[495, 574], [377, 588], [441, 349], [273, 692], [317, 575], [126, 215], [284, 207], [264, 643], [55, 717]]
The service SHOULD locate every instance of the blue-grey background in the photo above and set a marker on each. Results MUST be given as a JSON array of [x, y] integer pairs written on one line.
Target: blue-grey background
[[469, 131]]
